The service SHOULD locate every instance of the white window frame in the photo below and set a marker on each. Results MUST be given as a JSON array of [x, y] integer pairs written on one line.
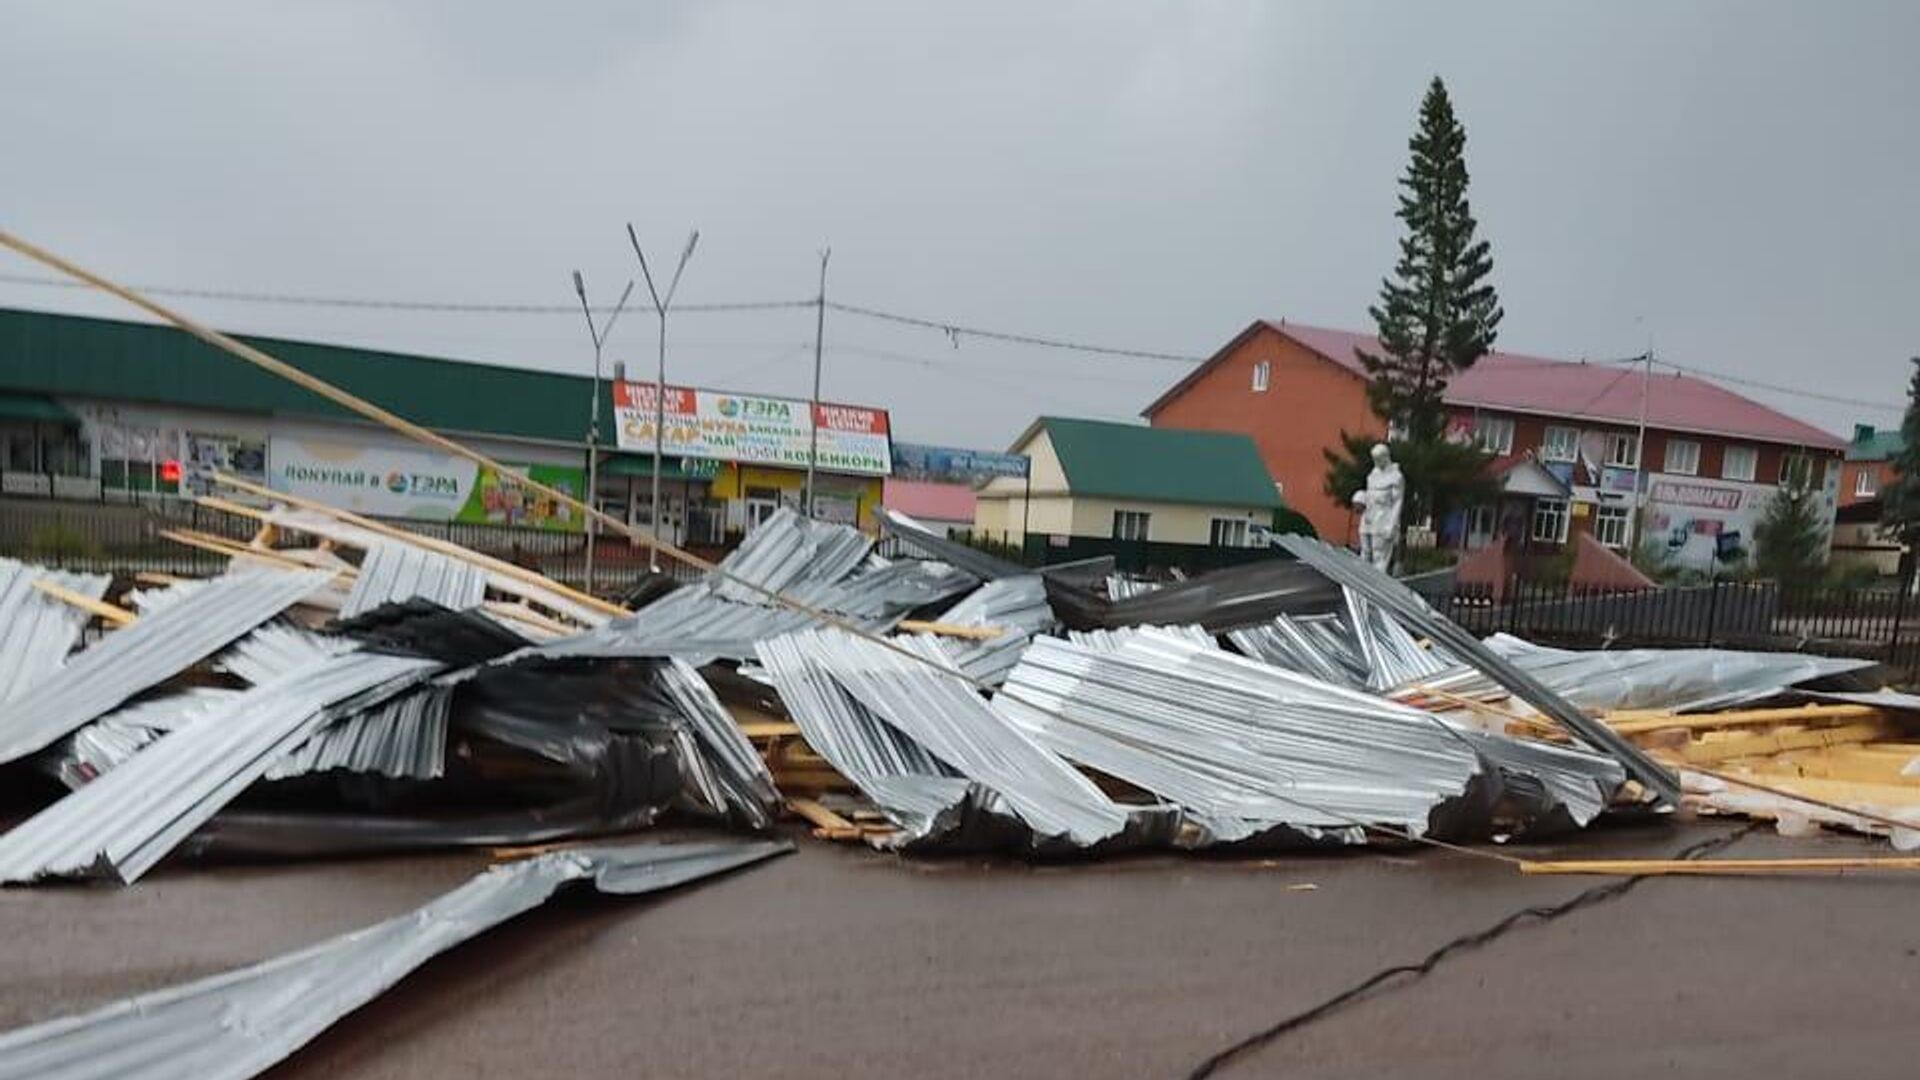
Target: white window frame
[[1687, 464], [1612, 524], [1623, 450], [1262, 376], [1551, 511], [1483, 524], [1748, 454], [1227, 532], [1131, 524], [1494, 434], [1865, 484], [1551, 448]]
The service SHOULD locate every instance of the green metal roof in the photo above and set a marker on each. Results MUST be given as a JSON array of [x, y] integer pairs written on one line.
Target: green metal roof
[[1129, 461], [34, 407], [45, 353], [1871, 445]]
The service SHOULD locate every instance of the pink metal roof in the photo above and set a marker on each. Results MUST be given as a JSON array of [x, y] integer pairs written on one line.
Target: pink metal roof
[[1604, 392], [929, 500]]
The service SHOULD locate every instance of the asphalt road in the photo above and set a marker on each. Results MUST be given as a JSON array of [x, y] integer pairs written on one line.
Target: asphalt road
[[837, 962]]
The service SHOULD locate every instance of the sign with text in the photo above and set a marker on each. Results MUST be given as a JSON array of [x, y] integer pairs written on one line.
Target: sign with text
[[912, 461], [753, 430], [400, 482]]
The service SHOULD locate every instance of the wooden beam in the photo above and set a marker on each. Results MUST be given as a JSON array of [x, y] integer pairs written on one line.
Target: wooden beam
[[1708, 751], [215, 502], [220, 545], [155, 577], [115, 616], [1720, 867], [444, 547], [1640, 721], [953, 630]]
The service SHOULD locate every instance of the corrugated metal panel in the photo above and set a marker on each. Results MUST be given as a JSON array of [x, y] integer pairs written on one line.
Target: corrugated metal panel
[[723, 769], [1018, 606], [392, 572], [1249, 750], [240, 1023], [154, 648], [405, 737], [117, 736], [278, 649], [1414, 613], [1679, 679], [786, 551], [36, 630], [944, 716], [342, 532], [124, 822]]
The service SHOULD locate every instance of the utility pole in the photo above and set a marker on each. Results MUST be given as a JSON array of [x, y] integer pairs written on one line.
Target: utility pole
[[599, 337], [660, 306], [813, 406], [1642, 477]]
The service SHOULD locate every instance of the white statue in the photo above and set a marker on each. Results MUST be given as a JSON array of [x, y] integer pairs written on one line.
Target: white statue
[[1379, 507]]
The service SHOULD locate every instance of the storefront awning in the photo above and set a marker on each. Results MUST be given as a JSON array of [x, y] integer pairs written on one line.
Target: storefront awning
[[672, 468], [35, 407]]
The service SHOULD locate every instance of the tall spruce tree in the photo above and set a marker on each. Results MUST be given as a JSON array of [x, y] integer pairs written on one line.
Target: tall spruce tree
[[1438, 313], [1790, 539], [1900, 502]]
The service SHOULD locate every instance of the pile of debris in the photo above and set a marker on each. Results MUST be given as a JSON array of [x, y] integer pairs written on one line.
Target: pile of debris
[[348, 687]]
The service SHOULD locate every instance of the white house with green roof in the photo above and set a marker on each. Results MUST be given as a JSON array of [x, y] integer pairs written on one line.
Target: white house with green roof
[[1101, 479]]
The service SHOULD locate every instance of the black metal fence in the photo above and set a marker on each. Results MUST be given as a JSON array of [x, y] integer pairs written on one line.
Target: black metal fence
[[1879, 623], [1148, 558]]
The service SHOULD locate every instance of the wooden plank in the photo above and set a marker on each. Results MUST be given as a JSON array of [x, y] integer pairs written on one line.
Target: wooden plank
[[114, 616], [953, 630], [1635, 722], [818, 815], [452, 550], [155, 577], [1708, 751], [769, 729], [1721, 867]]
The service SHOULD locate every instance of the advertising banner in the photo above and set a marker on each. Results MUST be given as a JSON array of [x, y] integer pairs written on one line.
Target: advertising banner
[[948, 464], [754, 430], [401, 482]]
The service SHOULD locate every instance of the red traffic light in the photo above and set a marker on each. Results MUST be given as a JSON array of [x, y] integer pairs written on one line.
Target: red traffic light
[[170, 472]]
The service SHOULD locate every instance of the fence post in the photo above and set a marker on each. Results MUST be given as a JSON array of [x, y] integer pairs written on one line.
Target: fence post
[[1713, 607], [1899, 614]]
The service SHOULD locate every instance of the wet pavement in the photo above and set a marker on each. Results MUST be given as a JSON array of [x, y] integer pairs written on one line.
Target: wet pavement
[[838, 962]]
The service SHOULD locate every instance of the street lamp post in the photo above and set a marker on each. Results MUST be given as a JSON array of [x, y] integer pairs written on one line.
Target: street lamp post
[[661, 305], [599, 336]]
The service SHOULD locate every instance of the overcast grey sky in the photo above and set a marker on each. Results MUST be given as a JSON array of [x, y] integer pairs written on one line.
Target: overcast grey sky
[[1737, 182]]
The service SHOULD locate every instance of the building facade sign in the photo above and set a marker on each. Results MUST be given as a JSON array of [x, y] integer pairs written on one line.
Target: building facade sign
[[952, 465], [388, 481], [754, 430]]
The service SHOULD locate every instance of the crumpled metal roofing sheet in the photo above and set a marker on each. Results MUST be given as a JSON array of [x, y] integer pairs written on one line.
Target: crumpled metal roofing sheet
[[117, 736], [127, 820], [1413, 613], [934, 718], [1249, 749], [392, 572], [1243, 747], [36, 630], [723, 768], [320, 525], [1017, 606], [1679, 679], [240, 1023], [404, 737], [277, 649], [1316, 645], [787, 551], [154, 648]]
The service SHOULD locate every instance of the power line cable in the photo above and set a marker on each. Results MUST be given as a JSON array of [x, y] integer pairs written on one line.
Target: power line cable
[[1757, 384]]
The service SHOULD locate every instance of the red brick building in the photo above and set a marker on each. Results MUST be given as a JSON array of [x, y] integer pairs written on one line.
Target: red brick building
[[1565, 435]]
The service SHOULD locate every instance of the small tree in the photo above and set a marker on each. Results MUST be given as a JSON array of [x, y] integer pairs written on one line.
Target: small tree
[[1790, 539], [1438, 313], [1900, 502]]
